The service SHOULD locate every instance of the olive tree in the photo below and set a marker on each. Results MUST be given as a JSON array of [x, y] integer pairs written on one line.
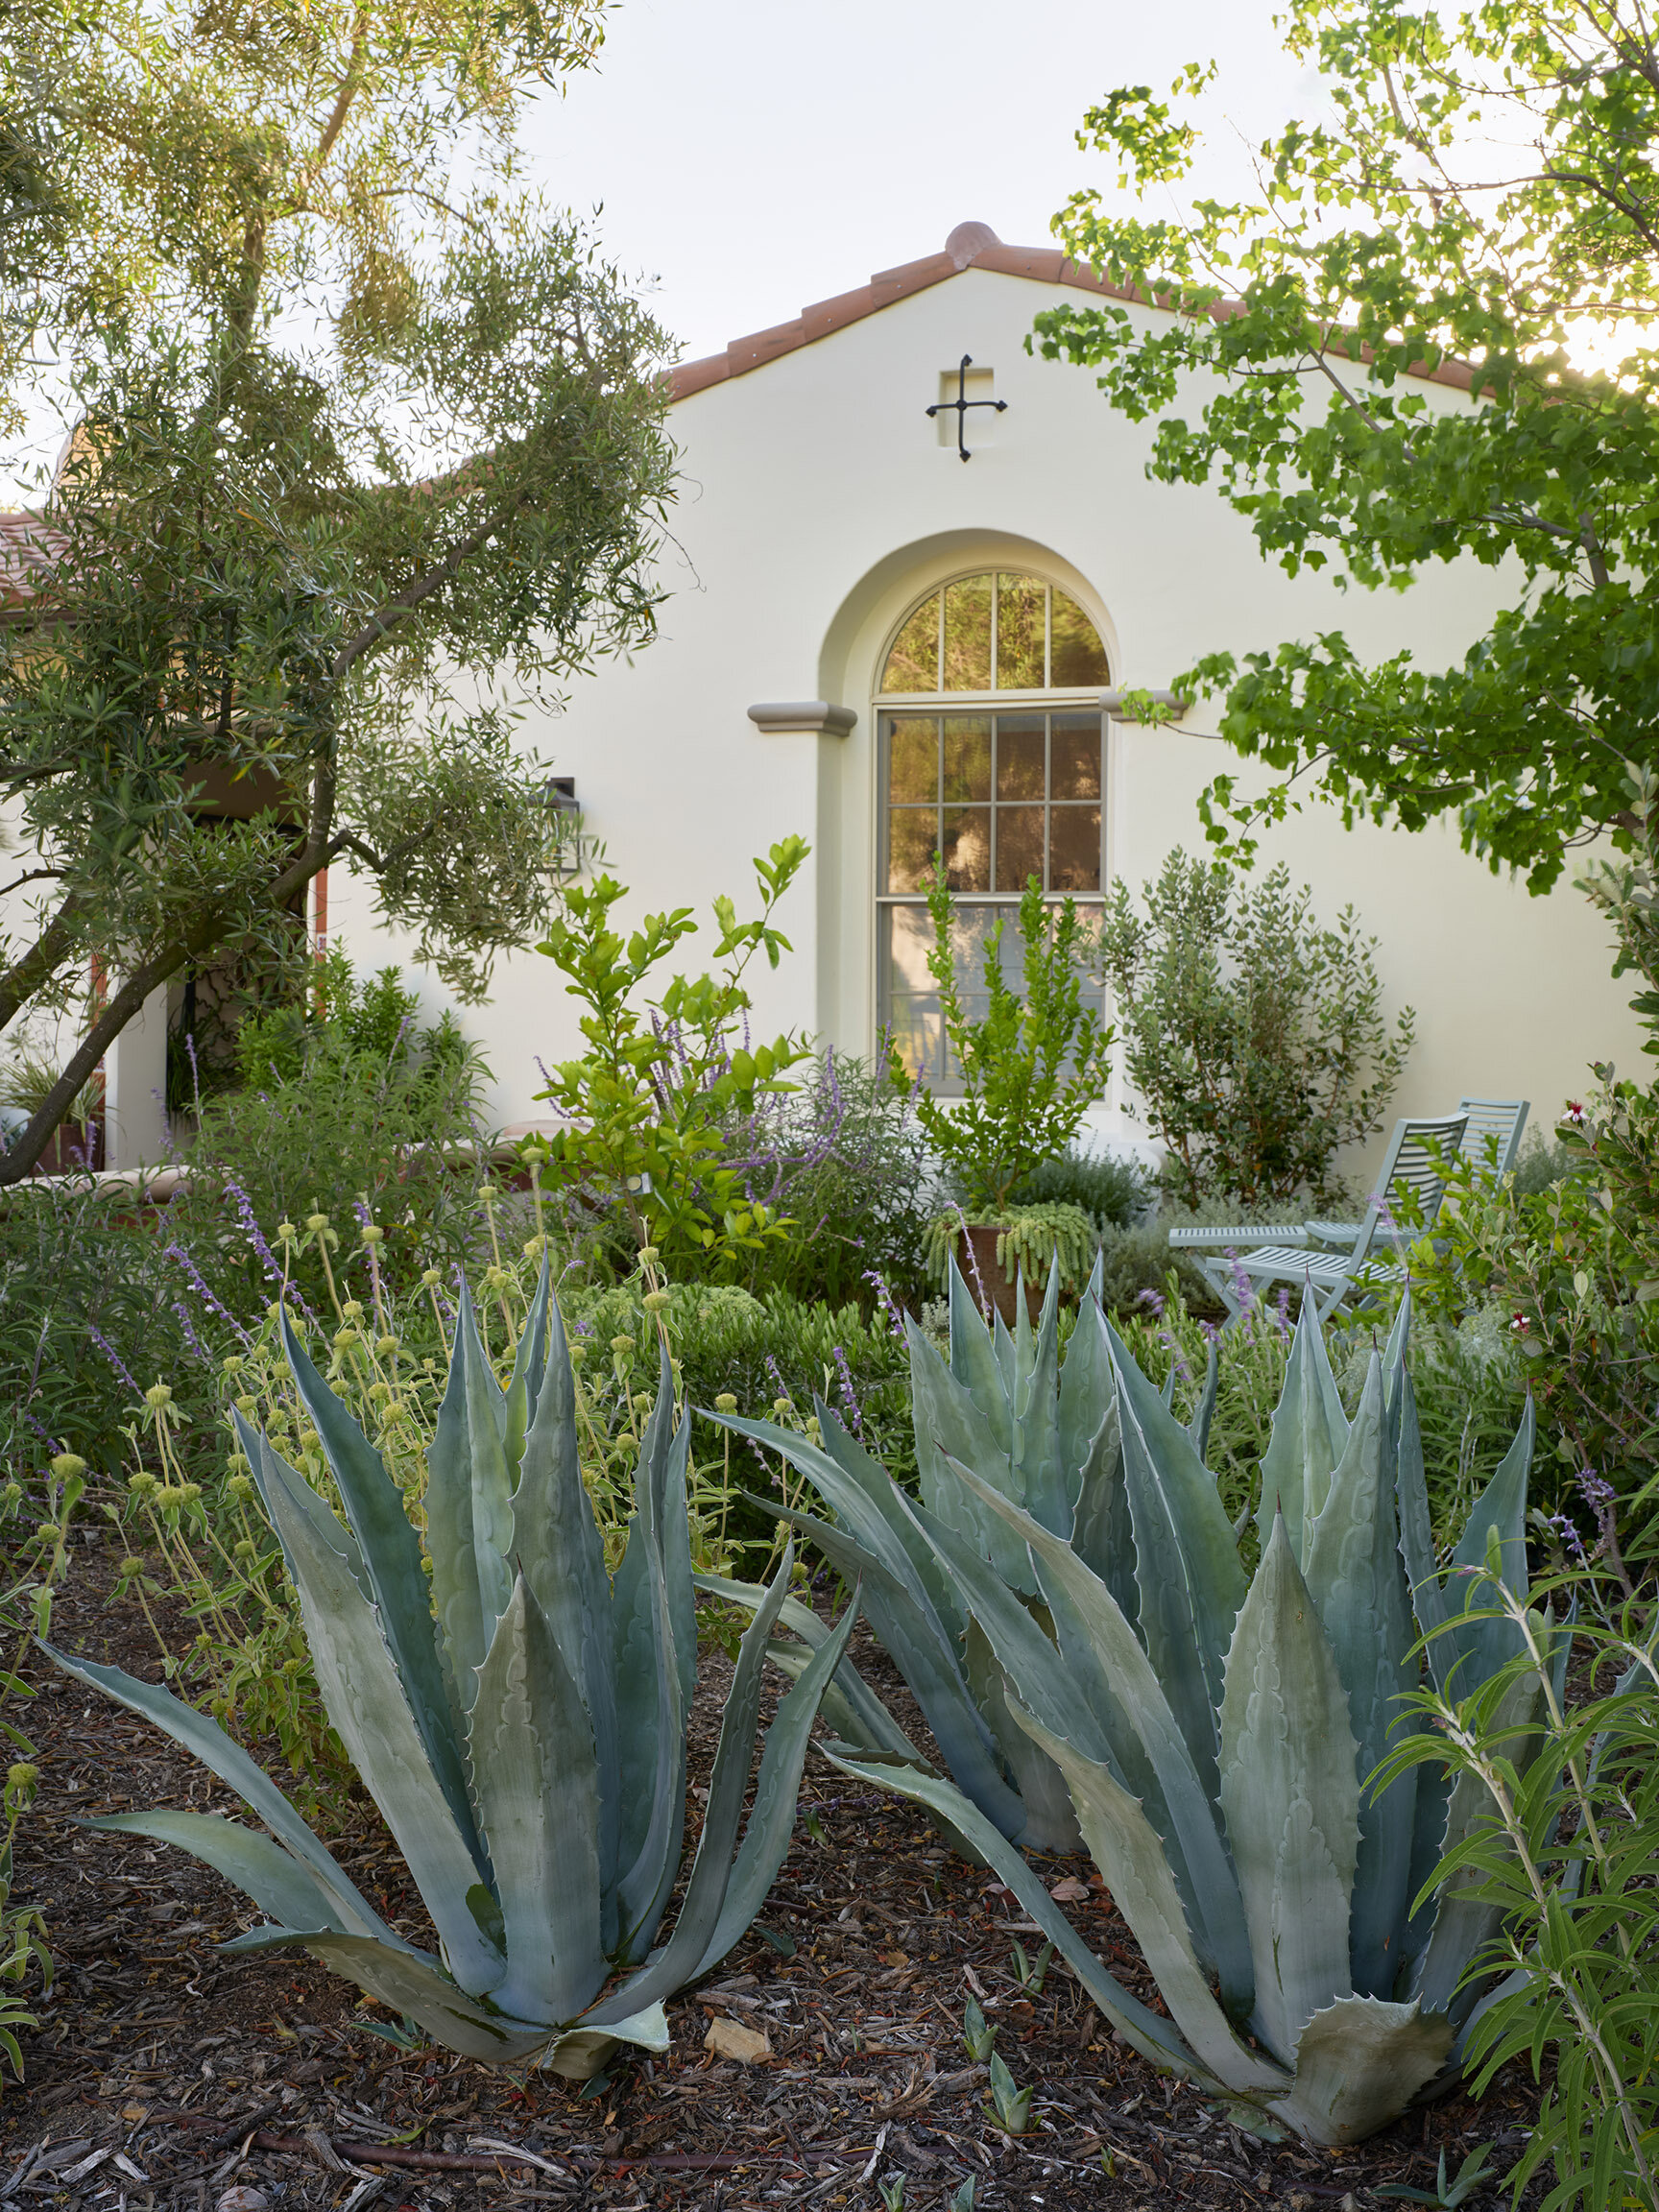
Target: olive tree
[[362, 455]]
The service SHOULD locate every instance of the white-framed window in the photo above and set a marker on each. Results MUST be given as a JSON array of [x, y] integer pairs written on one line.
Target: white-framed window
[[984, 759]]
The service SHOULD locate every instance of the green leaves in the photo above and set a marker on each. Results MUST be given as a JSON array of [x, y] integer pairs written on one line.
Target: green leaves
[[1382, 249], [1030, 1065], [647, 1104]]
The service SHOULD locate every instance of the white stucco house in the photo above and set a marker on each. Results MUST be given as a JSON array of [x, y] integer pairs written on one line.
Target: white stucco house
[[869, 641]]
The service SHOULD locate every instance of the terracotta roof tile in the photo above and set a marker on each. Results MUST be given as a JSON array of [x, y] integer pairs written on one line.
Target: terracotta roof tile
[[963, 249]]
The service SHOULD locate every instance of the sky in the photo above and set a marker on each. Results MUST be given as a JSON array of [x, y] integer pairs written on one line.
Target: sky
[[749, 157]]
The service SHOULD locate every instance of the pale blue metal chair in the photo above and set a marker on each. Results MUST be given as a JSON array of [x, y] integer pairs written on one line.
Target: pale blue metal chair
[[1329, 1255]]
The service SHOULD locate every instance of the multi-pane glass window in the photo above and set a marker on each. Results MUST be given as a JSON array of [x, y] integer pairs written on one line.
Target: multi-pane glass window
[[996, 632], [1000, 798], [1000, 793]]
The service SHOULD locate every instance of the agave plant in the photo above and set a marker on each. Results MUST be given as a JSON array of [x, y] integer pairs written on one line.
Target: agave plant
[[521, 1722], [1215, 1732], [1045, 1433]]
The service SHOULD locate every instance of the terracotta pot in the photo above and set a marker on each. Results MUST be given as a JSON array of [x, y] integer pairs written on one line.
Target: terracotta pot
[[985, 1279]]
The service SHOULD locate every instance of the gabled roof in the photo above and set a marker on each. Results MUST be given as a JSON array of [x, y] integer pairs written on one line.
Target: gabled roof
[[970, 246]]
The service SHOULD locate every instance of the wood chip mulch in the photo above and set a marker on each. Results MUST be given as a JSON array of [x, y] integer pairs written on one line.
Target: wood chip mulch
[[166, 2077]]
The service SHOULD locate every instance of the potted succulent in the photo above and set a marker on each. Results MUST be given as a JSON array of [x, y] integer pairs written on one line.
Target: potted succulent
[[1030, 1068]]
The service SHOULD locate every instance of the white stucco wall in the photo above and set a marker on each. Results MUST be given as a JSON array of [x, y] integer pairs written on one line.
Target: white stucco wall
[[817, 505]]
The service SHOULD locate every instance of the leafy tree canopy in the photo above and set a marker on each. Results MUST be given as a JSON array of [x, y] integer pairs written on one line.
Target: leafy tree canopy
[[364, 450], [1479, 197]]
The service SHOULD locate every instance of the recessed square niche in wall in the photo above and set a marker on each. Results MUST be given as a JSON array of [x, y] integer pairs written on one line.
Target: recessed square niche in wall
[[981, 386]]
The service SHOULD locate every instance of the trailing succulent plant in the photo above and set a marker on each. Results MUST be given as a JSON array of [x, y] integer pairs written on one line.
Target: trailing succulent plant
[[1215, 1732], [521, 1722]]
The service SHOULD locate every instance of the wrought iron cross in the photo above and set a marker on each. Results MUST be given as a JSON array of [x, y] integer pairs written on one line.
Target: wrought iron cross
[[961, 404]]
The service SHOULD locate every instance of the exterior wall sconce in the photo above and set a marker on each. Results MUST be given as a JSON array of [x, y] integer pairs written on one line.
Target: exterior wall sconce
[[569, 849]]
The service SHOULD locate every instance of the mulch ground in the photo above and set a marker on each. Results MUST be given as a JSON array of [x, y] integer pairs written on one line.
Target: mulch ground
[[163, 2076]]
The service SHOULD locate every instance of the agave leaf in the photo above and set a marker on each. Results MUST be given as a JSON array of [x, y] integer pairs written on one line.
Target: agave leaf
[[1039, 1477], [1360, 2063], [1028, 1655], [274, 1878], [205, 1740], [771, 1823], [705, 1892], [845, 1721], [1394, 1351], [417, 1985], [724, 1895], [531, 1748], [1102, 1535], [1309, 1433], [1007, 1355], [1187, 1559], [1128, 1852], [1352, 1563], [909, 1632], [1204, 1412], [1050, 1823], [1428, 1848], [469, 1505], [655, 1628], [1166, 1392], [529, 1367], [561, 1555], [578, 2054], [974, 1362], [1291, 1794], [879, 1489], [391, 1572], [365, 1699], [1098, 1690], [1091, 1449], [1484, 1646], [850, 1706], [949, 1424], [1154, 2038]]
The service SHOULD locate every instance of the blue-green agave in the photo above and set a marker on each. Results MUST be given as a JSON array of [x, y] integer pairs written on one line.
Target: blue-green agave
[[1214, 1732], [521, 1720]]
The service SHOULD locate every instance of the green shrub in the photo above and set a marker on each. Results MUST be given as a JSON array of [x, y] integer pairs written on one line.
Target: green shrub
[[1113, 1192], [1029, 1067], [364, 1109], [89, 1315], [1565, 1856], [1255, 1036], [669, 1067], [760, 1351], [843, 1159], [1570, 1273]]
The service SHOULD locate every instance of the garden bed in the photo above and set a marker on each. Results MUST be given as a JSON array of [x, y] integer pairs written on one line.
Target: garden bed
[[165, 2076]]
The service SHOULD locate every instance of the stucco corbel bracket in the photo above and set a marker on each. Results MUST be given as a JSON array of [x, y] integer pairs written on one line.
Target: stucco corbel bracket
[[801, 718]]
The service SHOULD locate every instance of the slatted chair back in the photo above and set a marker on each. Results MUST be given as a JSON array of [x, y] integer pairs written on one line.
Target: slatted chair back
[[1412, 1180], [1493, 1119]]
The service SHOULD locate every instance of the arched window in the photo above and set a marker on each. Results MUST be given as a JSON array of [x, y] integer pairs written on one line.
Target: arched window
[[1001, 790]]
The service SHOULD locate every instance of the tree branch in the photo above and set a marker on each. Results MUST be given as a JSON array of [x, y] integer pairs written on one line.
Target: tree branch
[[404, 604], [16, 1163], [40, 963]]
